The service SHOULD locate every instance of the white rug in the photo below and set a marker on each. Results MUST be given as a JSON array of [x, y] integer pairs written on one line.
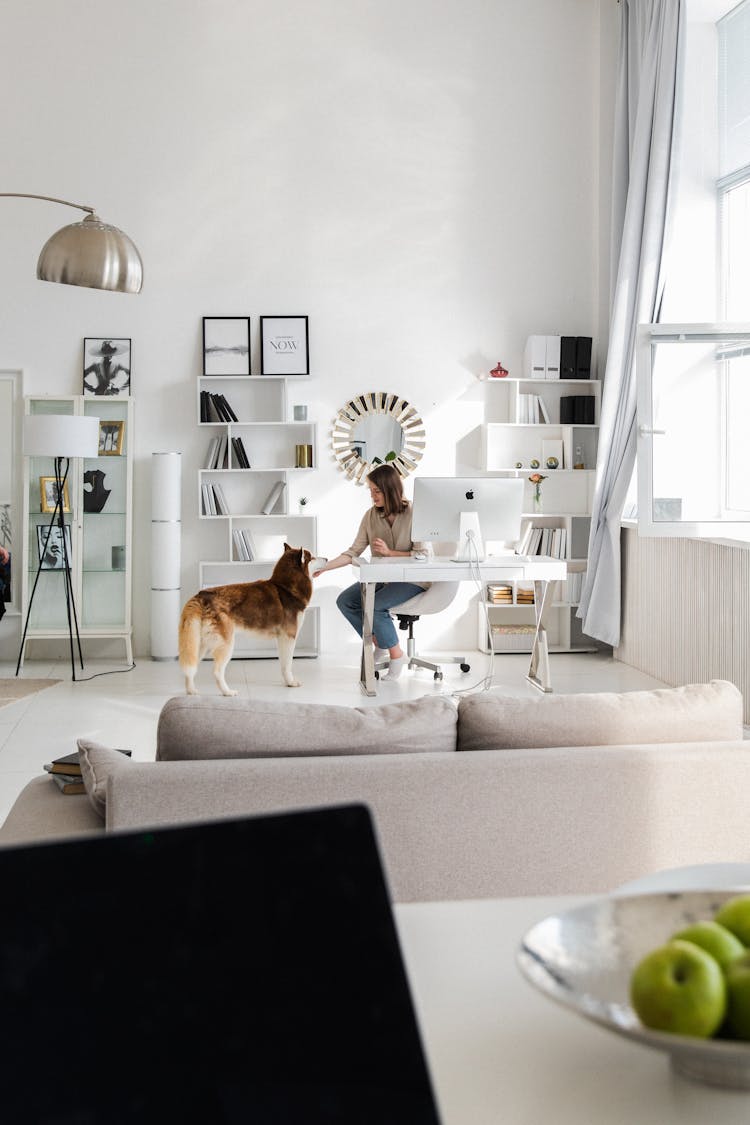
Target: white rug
[[11, 690]]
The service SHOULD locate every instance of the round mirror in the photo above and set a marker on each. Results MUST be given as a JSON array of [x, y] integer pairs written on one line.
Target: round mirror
[[374, 429]]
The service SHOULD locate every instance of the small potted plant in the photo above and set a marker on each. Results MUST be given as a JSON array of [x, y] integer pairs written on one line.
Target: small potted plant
[[303, 502]]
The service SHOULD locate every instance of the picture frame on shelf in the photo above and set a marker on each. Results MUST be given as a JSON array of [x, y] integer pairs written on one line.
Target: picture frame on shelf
[[48, 494], [226, 345], [111, 438], [52, 557], [284, 345], [107, 365]]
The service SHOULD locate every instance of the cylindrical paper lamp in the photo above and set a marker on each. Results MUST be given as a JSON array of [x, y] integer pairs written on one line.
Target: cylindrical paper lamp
[[166, 534]]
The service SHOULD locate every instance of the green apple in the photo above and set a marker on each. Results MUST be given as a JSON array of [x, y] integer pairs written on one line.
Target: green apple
[[715, 939], [679, 988], [738, 996], [735, 916]]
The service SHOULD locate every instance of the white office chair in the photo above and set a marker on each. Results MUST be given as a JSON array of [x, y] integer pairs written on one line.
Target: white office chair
[[432, 600]]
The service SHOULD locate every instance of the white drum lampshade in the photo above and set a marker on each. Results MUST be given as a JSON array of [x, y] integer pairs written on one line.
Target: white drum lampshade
[[166, 536], [60, 435]]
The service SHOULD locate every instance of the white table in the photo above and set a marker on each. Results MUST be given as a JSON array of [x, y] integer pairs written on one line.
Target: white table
[[500, 1053], [540, 570]]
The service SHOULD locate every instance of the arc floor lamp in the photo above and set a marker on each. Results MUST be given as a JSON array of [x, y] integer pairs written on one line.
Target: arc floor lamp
[[90, 253]]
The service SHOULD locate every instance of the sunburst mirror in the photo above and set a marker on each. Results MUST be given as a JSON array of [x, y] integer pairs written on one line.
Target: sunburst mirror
[[377, 428]]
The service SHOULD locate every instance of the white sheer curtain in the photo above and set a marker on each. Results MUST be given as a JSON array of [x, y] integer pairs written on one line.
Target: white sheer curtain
[[651, 48]]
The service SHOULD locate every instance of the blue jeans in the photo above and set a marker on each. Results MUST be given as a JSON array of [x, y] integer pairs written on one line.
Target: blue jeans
[[387, 594]]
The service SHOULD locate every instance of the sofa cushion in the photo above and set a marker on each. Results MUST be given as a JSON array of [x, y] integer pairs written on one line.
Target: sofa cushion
[[97, 763], [694, 713], [221, 727]]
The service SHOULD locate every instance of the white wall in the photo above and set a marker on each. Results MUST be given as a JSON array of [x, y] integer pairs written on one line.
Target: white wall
[[421, 177]]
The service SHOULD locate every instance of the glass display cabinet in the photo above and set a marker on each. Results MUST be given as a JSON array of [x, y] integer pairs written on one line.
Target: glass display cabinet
[[97, 503]]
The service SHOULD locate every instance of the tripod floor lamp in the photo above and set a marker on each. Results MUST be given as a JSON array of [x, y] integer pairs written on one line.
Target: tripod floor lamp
[[60, 436]]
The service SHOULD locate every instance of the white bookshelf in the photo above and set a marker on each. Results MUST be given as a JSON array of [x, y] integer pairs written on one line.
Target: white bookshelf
[[270, 437], [509, 446]]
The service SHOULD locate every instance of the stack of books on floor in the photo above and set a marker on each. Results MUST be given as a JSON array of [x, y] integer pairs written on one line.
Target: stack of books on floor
[[66, 772], [525, 595], [513, 638], [500, 593]]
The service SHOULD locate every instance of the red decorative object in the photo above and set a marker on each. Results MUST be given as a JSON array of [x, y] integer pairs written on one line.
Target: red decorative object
[[498, 372]]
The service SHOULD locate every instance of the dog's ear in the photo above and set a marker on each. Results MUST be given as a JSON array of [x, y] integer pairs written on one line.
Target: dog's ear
[[307, 557], [287, 547]]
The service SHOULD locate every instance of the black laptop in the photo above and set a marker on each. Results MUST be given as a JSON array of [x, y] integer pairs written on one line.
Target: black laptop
[[238, 971]]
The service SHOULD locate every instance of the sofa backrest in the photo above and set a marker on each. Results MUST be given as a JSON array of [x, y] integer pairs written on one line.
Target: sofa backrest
[[693, 713], [485, 823]]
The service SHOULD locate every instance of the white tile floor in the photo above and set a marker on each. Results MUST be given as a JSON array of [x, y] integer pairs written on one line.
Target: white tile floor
[[122, 709]]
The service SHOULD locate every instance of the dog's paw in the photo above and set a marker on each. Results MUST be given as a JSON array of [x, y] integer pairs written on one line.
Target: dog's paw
[[191, 691], [294, 683], [228, 691]]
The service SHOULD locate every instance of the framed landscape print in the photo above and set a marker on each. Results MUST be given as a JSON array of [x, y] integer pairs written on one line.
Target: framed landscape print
[[106, 366], [226, 345], [48, 492], [51, 556], [284, 345]]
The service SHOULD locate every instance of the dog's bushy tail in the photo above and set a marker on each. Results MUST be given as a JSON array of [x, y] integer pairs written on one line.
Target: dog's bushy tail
[[189, 638]]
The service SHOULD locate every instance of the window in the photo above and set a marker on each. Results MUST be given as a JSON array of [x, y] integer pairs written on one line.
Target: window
[[694, 379]]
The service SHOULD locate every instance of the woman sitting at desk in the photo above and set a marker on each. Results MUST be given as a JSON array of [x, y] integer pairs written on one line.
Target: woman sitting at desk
[[386, 530]]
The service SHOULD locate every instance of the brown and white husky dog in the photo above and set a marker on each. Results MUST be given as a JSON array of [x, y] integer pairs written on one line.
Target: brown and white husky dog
[[272, 607]]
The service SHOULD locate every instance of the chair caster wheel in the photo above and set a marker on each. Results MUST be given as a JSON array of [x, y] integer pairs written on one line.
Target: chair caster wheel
[[438, 676], [465, 667]]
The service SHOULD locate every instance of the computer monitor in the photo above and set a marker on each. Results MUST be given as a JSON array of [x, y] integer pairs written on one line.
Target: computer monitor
[[467, 510]]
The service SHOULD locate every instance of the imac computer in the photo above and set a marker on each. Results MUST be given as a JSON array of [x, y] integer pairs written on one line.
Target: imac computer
[[467, 510]]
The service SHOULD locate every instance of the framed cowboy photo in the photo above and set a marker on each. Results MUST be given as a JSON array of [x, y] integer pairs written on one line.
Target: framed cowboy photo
[[106, 366], [48, 493], [284, 345]]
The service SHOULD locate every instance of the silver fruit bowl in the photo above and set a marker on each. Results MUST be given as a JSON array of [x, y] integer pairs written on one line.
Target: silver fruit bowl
[[584, 958]]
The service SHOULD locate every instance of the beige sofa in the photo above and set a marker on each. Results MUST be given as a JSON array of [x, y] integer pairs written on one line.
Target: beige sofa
[[495, 796]]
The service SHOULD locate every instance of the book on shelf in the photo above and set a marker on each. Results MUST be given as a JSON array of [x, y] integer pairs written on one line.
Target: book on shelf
[[209, 504], [239, 454], [273, 496], [226, 409], [211, 454], [249, 543], [222, 461], [239, 547], [222, 507]]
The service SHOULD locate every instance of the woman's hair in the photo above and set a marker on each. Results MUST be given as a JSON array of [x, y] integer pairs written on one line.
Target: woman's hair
[[388, 480]]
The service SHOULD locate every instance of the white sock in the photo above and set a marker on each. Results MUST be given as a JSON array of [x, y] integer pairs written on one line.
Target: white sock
[[395, 668], [381, 655]]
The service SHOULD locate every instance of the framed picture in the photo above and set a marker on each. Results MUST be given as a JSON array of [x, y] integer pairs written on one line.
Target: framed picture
[[48, 493], [226, 345], [106, 366], [51, 557], [111, 435], [284, 346]]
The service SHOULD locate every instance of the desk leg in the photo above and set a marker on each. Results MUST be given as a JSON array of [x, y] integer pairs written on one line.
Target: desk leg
[[539, 674], [367, 669]]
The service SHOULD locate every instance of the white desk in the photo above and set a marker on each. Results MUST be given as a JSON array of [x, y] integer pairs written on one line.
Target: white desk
[[500, 1052], [539, 570]]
